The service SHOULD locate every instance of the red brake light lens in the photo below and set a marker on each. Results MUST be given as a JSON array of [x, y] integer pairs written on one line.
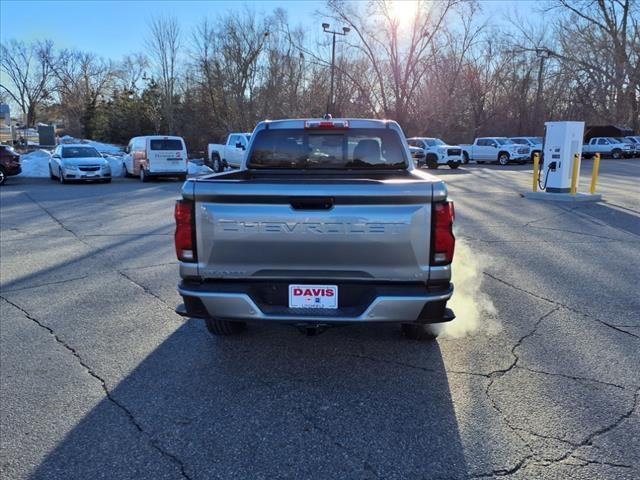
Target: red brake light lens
[[185, 231], [443, 240], [326, 124]]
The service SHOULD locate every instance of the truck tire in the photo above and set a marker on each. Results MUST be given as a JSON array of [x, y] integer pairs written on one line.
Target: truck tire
[[216, 163], [503, 158], [431, 161], [419, 331], [223, 328], [465, 157], [616, 154]]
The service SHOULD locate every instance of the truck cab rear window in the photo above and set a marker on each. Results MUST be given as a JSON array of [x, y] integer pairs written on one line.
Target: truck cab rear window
[[341, 149], [165, 144]]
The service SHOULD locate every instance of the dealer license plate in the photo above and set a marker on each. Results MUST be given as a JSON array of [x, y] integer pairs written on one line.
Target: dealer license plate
[[313, 296]]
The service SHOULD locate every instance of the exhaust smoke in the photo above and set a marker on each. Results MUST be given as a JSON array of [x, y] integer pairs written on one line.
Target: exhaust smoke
[[473, 308]]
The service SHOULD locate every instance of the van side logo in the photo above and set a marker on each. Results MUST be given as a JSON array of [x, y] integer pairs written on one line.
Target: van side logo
[[313, 228]]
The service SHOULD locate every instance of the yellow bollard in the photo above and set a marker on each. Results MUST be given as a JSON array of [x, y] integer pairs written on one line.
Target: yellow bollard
[[574, 174], [594, 173], [536, 171]]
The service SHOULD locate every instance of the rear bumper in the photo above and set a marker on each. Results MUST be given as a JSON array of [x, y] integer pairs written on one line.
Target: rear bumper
[[369, 304], [167, 174]]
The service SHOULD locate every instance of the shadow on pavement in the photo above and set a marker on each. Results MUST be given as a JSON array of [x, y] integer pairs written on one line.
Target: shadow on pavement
[[272, 403]]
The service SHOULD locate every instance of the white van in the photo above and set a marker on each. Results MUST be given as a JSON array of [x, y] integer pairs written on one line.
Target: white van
[[155, 156]]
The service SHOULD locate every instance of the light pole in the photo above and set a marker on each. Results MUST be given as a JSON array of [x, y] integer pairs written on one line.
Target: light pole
[[345, 30], [542, 54]]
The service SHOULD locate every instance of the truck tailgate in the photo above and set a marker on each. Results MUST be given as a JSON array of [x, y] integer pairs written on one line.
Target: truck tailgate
[[313, 229]]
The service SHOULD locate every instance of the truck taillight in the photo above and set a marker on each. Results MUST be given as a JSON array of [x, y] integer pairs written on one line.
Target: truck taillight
[[326, 124], [443, 241], [185, 236]]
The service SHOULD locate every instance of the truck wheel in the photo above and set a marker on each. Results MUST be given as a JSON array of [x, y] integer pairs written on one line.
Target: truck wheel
[[223, 328], [143, 175], [503, 158], [419, 331], [432, 161], [616, 154], [465, 157], [216, 163]]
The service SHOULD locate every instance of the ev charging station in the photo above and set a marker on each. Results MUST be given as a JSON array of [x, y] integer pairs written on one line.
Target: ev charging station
[[557, 175], [562, 147]]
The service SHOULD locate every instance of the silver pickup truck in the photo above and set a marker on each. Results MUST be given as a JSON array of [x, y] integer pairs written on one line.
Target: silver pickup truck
[[326, 223]]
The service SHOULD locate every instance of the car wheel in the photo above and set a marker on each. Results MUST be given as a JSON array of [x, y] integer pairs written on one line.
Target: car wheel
[[3, 176], [616, 154], [465, 157], [61, 177], [453, 166], [143, 175], [223, 328], [51, 175], [503, 159], [216, 163], [419, 331]]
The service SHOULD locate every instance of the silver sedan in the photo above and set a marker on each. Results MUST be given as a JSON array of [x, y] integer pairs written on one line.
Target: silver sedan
[[78, 162]]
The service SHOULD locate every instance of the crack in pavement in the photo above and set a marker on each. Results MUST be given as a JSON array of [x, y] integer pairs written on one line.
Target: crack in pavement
[[554, 302], [127, 413]]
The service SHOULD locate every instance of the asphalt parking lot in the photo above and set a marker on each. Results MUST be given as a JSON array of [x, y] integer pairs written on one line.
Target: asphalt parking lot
[[101, 379]]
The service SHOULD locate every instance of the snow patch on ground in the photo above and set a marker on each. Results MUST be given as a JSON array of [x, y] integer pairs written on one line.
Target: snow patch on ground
[[196, 169], [35, 164]]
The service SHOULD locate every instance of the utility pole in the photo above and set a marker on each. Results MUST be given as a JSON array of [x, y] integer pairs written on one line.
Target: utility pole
[[345, 30]]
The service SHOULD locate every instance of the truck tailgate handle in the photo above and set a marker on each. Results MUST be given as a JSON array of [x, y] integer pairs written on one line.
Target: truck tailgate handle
[[311, 203]]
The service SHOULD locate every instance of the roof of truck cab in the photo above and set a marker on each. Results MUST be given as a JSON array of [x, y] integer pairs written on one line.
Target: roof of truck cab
[[353, 122]]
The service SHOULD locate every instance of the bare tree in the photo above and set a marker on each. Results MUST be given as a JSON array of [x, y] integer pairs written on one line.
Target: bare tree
[[28, 68], [164, 45]]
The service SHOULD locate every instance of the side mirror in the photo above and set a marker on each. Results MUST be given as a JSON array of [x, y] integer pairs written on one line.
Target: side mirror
[[56, 156], [239, 145]]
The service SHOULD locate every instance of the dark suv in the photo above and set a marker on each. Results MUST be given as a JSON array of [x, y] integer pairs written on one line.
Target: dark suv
[[9, 163]]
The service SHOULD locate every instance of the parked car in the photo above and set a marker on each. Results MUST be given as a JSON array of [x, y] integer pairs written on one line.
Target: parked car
[[496, 149], [418, 155], [607, 147], [155, 156], [78, 162], [635, 145], [9, 163], [326, 223], [534, 143], [437, 152], [230, 154]]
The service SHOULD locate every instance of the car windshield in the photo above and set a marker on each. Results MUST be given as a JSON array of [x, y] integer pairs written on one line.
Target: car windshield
[[432, 142], [355, 148], [165, 144], [79, 152]]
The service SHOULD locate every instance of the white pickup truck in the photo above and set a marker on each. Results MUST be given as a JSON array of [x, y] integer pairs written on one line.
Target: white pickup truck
[[436, 152], [535, 143], [231, 154], [495, 149], [607, 147]]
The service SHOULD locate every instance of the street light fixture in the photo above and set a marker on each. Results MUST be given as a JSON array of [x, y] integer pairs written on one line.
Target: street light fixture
[[345, 30]]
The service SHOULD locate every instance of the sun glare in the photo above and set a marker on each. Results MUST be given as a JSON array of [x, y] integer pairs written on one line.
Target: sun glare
[[404, 11]]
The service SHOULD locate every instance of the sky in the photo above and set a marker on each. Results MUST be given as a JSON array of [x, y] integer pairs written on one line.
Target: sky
[[112, 29]]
